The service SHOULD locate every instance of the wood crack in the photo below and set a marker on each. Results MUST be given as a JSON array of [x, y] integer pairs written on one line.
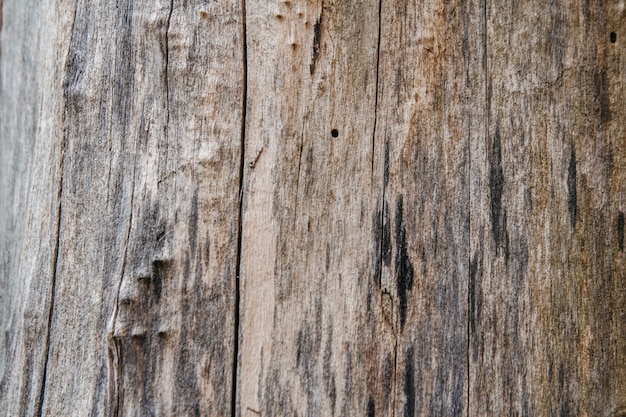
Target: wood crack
[[167, 67], [380, 7], [298, 176], [382, 245], [54, 272], [114, 355], [58, 225], [236, 313]]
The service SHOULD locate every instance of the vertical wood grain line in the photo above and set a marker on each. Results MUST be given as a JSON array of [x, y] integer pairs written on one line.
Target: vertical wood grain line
[[380, 9], [471, 288], [167, 67], [114, 355], [54, 275], [379, 268], [236, 312], [114, 347], [58, 226]]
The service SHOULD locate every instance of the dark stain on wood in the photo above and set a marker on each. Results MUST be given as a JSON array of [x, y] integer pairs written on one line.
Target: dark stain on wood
[[270, 395], [349, 384], [386, 237], [566, 407], [306, 351], [620, 231], [160, 270], [519, 261], [377, 244], [327, 374], [386, 167], [496, 188], [556, 37], [309, 346], [332, 393], [601, 92], [381, 231], [327, 257], [371, 407], [160, 234], [388, 375], [458, 400], [572, 203], [186, 389], [317, 34], [409, 384], [368, 300], [404, 268], [475, 299]]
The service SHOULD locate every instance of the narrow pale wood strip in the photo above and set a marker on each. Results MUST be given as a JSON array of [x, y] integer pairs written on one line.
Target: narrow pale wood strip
[[313, 337], [31, 107]]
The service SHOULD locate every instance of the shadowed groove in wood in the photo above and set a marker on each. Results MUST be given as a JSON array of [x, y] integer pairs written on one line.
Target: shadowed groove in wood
[[380, 16], [166, 69], [53, 277], [242, 163]]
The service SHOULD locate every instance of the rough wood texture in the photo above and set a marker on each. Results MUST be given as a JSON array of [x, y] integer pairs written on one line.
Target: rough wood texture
[[31, 132], [144, 106], [547, 287], [313, 340], [430, 110], [374, 207]]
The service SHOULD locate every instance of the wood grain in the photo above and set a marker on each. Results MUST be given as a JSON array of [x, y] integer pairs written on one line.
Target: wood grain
[[547, 272], [31, 108], [313, 340], [431, 108], [374, 207], [144, 189]]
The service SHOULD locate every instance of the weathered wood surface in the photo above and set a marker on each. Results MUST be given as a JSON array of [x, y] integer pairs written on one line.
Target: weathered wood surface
[[152, 161], [547, 276], [430, 109], [312, 208], [313, 340], [131, 308], [31, 132]]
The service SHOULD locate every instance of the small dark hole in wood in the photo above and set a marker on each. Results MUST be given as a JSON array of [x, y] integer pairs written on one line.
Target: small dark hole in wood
[[334, 133], [613, 37]]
